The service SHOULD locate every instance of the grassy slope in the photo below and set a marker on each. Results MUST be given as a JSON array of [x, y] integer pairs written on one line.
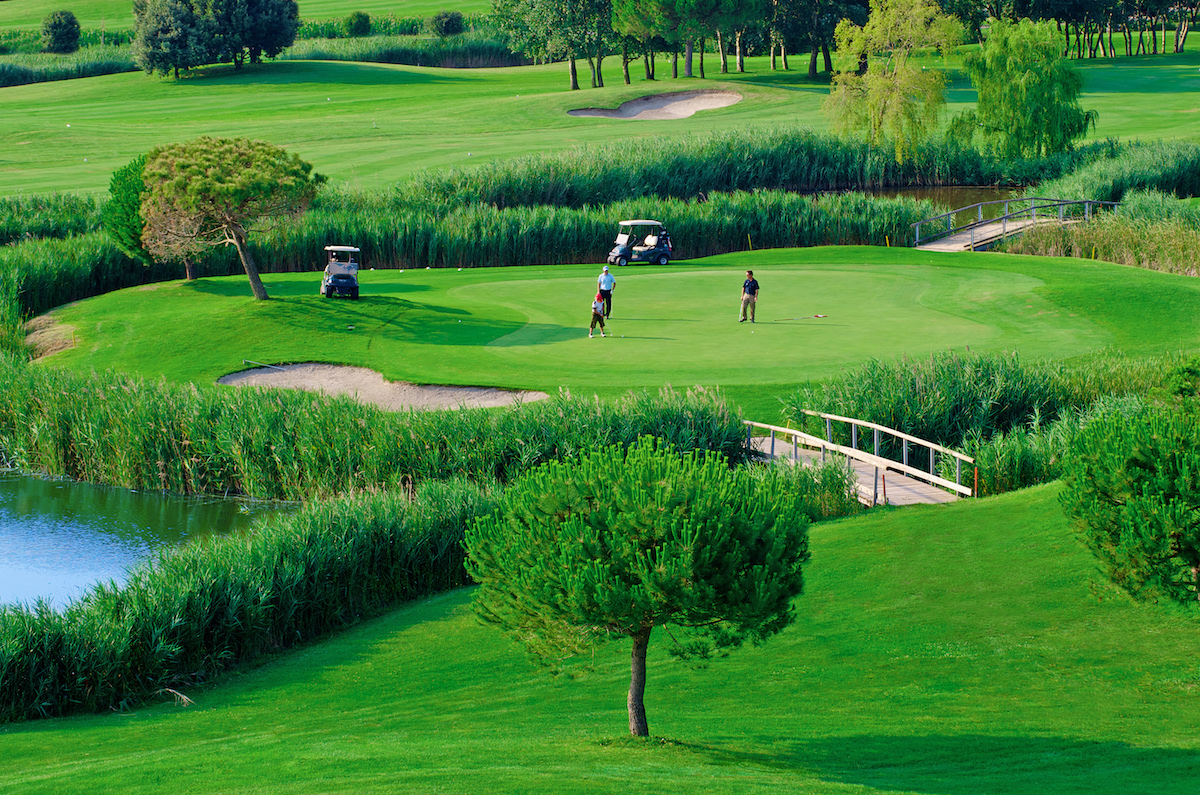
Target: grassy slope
[[950, 650], [525, 327], [365, 124], [118, 14], [373, 124]]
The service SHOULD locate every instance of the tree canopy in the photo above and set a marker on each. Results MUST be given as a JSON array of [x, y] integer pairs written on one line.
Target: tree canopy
[[60, 32], [892, 98], [1028, 92], [209, 191], [170, 35], [620, 542], [122, 213]]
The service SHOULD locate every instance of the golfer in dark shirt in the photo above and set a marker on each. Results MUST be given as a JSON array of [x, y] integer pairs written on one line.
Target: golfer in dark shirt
[[749, 297]]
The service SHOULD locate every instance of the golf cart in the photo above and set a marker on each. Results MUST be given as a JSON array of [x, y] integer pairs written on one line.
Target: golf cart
[[641, 241], [341, 272]]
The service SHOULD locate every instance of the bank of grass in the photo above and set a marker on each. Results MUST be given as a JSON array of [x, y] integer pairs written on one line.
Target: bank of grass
[[526, 327], [970, 648]]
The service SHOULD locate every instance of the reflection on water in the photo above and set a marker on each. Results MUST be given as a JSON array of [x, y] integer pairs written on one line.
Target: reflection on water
[[59, 537], [951, 198]]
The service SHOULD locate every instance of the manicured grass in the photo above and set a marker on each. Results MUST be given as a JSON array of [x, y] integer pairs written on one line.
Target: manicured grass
[[526, 327], [118, 14], [372, 124], [963, 649], [365, 124]]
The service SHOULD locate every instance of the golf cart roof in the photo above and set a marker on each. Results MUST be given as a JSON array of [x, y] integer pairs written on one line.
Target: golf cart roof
[[641, 222], [342, 248]]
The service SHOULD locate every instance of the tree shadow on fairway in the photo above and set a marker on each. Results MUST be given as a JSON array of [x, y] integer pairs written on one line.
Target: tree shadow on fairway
[[978, 764], [326, 74], [232, 288]]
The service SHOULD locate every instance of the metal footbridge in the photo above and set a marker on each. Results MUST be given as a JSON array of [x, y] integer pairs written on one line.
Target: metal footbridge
[[940, 233], [911, 480]]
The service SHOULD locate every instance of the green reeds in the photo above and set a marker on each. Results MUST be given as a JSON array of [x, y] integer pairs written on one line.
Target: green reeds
[[474, 50], [793, 159], [42, 215], [194, 611], [24, 68], [283, 444], [1168, 166]]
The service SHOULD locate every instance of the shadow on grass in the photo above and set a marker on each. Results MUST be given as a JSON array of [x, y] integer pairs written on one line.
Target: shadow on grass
[[976, 764], [319, 72]]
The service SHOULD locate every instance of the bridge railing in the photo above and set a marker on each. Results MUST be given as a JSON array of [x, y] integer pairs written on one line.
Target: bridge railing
[[1062, 210], [874, 459]]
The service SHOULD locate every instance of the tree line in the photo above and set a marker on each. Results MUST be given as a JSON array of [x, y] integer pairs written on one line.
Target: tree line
[[171, 35], [1087, 27]]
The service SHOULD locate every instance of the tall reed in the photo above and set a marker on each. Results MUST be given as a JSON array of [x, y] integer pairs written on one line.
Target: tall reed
[[283, 444], [23, 69], [1168, 166], [33, 216], [483, 49], [193, 612]]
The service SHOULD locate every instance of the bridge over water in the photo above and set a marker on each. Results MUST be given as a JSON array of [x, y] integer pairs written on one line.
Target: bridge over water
[[944, 233]]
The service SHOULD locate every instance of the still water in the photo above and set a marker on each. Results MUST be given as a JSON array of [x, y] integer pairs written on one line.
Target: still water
[[957, 196], [59, 537]]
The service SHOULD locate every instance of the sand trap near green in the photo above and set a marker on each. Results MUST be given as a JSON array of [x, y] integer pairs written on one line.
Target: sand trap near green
[[527, 328]]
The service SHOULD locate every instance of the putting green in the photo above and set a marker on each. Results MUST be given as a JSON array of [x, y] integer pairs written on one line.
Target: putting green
[[527, 327]]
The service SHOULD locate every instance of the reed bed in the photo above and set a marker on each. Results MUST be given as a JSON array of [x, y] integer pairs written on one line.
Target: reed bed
[[950, 397], [195, 611], [283, 444], [473, 50], [44, 215], [792, 159], [381, 25], [25, 68], [1168, 166]]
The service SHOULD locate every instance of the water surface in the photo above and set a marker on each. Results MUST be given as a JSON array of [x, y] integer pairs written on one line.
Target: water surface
[[58, 537]]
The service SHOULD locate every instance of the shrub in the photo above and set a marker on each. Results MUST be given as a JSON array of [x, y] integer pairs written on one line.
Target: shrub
[[358, 24], [122, 215], [446, 23], [192, 612], [60, 32]]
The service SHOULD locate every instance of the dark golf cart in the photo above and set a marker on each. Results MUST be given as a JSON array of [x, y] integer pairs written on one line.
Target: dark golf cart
[[341, 272], [641, 241]]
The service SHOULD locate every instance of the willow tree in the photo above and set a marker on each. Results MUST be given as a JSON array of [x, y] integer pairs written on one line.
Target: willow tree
[[622, 542], [888, 96], [1028, 93], [209, 191]]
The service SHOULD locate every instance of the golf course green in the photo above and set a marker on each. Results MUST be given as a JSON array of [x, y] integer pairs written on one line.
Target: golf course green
[[969, 649], [527, 327]]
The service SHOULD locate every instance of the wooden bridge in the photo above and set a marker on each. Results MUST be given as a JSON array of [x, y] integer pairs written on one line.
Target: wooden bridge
[[880, 480], [939, 233]]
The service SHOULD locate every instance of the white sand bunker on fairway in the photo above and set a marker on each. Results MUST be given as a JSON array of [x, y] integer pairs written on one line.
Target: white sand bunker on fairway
[[368, 386], [665, 106]]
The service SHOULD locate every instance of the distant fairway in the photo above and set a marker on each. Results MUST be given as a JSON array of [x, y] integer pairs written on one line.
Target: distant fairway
[[118, 14], [369, 125], [527, 327]]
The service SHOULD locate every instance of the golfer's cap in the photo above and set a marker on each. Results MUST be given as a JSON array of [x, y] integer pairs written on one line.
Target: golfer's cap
[[605, 267]]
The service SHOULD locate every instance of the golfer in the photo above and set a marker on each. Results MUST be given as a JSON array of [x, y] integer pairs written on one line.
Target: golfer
[[749, 297], [606, 283], [597, 316]]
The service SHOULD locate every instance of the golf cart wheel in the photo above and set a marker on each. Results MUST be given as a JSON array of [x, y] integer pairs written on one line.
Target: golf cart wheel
[[354, 294], [328, 293], [622, 262], [663, 259]]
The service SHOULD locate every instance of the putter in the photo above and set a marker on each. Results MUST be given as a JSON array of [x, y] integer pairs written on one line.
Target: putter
[[806, 317]]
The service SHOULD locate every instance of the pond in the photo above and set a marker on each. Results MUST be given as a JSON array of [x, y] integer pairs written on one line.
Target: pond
[[59, 537], [953, 197]]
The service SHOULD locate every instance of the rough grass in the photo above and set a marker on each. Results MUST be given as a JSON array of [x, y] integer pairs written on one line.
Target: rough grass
[[526, 327], [963, 649]]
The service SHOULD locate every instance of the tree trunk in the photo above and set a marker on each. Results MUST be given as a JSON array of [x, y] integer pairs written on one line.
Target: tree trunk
[[703, 47], [647, 59], [812, 62], [625, 61], [571, 70], [741, 58], [783, 50], [592, 68], [675, 62], [724, 55], [687, 58], [600, 67], [772, 56], [239, 240], [189, 269], [638, 726], [828, 58]]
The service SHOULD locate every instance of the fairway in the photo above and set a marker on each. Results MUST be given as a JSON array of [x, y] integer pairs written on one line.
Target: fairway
[[955, 650], [527, 327], [368, 125]]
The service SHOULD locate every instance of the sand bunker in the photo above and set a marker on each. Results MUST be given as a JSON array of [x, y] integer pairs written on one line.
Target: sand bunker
[[665, 106], [368, 386]]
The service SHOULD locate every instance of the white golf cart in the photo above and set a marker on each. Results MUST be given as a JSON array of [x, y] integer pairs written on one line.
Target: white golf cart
[[641, 241], [341, 272]]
